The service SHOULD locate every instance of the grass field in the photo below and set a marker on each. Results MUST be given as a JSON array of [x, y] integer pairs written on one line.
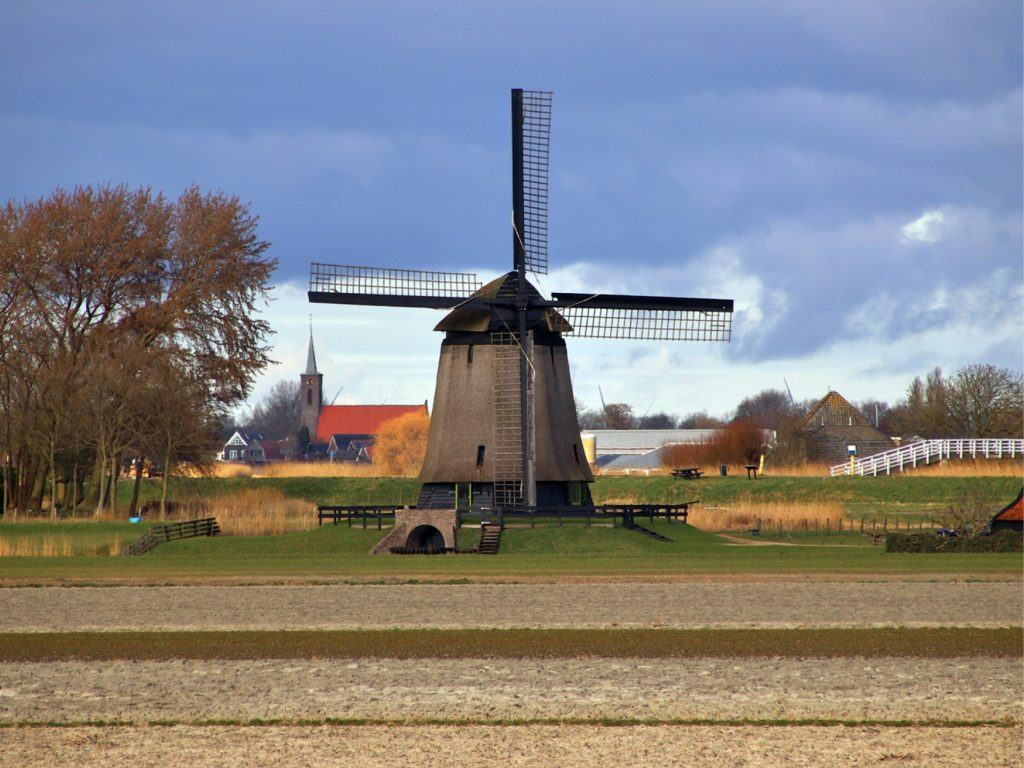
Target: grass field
[[898, 492], [337, 552], [74, 551]]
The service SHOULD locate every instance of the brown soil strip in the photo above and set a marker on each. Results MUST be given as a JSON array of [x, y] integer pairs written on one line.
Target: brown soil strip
[[943, 642], [540, 606], [565, 746], [209, 580], [497, 691]]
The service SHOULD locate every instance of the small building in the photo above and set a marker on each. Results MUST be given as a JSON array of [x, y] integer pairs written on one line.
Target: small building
[[1010, 517], [350, 448], [245, 447], [640, 449], [833, 424]]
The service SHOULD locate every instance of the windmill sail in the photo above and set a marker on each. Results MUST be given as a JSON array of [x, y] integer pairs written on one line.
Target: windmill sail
[[657, 318], [531, 144], [344, 284]]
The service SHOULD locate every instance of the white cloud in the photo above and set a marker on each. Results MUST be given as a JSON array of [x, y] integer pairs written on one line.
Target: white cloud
[[926, 228]]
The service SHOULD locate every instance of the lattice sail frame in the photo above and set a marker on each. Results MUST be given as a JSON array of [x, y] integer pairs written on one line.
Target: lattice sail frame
[[536, 155], [644, 324], [345, 279]]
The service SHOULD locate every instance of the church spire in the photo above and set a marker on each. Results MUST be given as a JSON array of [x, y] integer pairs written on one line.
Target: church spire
[[311, 354]]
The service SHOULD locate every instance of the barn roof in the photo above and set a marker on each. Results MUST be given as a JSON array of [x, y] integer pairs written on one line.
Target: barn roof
[[834, 410], [1012, 512], [359, 419]]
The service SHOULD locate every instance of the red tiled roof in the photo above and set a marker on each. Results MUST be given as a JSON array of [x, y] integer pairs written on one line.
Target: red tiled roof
[[1013, 511], [359, 419]]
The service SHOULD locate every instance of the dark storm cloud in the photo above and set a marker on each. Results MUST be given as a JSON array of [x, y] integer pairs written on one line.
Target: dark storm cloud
[[798, 137]]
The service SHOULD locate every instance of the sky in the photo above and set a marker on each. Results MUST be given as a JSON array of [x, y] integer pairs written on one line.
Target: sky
[[849, 172]]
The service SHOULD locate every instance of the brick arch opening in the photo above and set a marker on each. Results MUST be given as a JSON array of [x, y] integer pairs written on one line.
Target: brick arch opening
[[425, 538]]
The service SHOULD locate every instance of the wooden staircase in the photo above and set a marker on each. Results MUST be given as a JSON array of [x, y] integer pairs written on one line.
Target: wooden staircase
[[490, 539]]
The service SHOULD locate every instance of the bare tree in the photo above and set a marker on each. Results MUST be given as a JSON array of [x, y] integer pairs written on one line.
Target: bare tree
[[985, 401], [768, 409], [278, 415], [656, 421]]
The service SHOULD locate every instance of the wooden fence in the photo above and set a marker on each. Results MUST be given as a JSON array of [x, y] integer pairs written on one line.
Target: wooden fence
[[186, 529]]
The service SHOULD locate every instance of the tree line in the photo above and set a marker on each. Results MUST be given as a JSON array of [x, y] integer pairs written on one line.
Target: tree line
[[127, 334], [978, 400]]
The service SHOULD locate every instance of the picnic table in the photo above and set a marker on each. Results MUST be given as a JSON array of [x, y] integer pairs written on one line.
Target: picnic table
[[687, 473], [751, 471]]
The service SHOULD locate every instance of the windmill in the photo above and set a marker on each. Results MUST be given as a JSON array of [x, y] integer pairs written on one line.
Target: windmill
[[504, 431]]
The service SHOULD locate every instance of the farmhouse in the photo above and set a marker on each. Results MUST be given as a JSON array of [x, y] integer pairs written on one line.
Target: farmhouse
[[245, 447], [833, 424], [342, 432]]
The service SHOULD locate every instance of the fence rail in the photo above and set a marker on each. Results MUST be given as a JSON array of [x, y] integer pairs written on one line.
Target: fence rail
[[840, 530], [365, 515], [927, 451], [186, 529]]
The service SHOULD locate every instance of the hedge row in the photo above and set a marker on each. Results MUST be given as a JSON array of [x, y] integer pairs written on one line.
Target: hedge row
[[1003, 541]]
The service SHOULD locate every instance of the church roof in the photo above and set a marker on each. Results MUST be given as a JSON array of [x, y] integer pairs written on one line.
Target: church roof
[[311, 356], [359, 419]]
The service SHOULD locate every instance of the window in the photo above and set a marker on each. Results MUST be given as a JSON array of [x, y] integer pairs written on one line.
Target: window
[[576, 493], [463, 495], [479, 456], [309, 397], [576, 452]]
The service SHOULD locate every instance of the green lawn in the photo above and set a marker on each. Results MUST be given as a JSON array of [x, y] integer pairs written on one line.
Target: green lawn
[[553, 551], [339, 552], [865, 494]]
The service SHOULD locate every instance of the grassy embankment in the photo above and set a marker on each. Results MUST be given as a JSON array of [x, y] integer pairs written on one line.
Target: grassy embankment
[[862, 495], [338, 551]]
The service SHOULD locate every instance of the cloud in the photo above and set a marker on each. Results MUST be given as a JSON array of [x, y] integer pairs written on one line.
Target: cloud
[[926, 228]]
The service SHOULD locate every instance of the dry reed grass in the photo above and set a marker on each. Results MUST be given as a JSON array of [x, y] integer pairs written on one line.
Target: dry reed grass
[[295, 469], [261, 512], [741, 515], [46, 546], [971, 468]]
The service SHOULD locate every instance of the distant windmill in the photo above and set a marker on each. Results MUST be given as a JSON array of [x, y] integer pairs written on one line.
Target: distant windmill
[[504, 431]]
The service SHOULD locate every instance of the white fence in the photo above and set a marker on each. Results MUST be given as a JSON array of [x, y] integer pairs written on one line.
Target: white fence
[[927, 451]]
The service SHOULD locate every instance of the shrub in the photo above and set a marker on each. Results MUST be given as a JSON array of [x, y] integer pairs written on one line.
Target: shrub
[[1003, 541], [401, 444]]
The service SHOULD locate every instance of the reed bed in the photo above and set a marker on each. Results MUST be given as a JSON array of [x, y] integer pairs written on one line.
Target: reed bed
[[971, 468], [261, 512], [295, 469], [47, 546], [741, 516]]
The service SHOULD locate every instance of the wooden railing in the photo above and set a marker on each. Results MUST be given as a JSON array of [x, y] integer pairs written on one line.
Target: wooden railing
[[927, 451], [186, 529]]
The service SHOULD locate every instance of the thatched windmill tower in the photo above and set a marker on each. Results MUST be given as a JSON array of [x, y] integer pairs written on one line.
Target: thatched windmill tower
[[504, 431]]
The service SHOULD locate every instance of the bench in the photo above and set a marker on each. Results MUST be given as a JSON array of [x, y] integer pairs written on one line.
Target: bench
[[751, 471], [687, 473]]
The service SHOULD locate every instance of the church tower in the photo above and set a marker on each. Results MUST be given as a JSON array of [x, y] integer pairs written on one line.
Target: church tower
[[311, 391]]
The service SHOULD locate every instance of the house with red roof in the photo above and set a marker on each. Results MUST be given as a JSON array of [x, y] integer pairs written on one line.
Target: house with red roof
[[342, 432], [1010, 517]]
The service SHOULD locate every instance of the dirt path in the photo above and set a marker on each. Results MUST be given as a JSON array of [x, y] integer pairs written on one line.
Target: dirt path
[[849, 689], [535, 746], [770, 604]]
